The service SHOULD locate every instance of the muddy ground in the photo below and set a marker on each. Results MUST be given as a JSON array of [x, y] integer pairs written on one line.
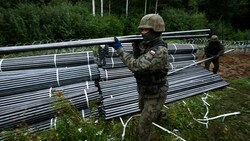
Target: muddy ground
[[233, 65]]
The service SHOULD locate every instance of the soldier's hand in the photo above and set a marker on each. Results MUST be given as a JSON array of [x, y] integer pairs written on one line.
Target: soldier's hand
[[117, 44]]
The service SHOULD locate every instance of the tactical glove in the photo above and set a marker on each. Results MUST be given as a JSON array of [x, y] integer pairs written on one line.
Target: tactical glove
[[117, 44]]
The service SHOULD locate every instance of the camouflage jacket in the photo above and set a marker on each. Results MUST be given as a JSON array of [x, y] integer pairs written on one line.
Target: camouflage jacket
[[151, 65], [214, 48]]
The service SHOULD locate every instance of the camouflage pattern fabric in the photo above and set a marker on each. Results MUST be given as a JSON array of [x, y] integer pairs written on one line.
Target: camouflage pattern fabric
[[216, 63], [151, 107], [213, 48], [151, 62], [152, 21], [153, 59]]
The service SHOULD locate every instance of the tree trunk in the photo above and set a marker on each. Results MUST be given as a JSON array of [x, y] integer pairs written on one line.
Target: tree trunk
[[145, 10], [126, 8], [102, 8], [109, 7], [93, 7], [156, 5]]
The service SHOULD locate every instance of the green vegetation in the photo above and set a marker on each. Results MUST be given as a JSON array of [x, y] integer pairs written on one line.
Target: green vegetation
[[235, 98], [25, 21]]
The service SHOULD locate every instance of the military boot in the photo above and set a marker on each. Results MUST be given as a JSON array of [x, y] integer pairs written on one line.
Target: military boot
[[161, 115]]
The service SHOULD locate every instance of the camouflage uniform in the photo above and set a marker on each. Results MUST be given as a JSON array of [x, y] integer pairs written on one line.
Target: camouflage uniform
[[149, 63], [213, 48], [150, 70]]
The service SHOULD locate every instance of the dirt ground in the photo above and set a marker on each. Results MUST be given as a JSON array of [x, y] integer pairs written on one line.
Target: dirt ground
[[233, 65]]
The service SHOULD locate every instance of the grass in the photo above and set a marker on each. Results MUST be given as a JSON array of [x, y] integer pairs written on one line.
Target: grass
[[235, 98]]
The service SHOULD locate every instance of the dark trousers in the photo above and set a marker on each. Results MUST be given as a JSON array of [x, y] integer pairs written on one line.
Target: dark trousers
[[215, 61]]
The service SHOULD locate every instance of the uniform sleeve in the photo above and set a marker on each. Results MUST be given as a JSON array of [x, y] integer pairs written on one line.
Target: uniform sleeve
[[151, 61]]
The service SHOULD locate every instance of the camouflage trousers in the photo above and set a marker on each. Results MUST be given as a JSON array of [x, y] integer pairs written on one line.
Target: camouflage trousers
[[215, 61], [150, 106]]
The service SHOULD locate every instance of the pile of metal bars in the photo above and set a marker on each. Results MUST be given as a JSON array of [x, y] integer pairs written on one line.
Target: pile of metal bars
[[29, 86], [118, 86]]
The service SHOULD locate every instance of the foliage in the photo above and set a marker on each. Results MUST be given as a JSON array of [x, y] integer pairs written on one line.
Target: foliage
[[56, 21], [26, 21], [240, 35], [131, 25], [177, 20]]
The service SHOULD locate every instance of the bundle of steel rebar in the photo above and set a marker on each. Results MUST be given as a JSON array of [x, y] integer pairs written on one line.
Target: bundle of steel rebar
[[119, 94], [45, 93], [113, 62], [46, 79], [39, 110], [181, 57], [196, 90], [47, 61], [182, 48], [108, 52], [121, 100], [115, 73], [88, 42], [116, 62], [177, 52], [28, 94]]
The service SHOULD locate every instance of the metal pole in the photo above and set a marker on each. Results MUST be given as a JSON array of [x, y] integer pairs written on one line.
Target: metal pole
[[98, 41]]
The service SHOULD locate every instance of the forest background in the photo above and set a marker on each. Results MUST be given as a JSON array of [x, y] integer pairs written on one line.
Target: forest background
[[26, 21]]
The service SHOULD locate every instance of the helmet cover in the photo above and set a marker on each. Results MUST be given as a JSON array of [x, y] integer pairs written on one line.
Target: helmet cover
[[152, 21]]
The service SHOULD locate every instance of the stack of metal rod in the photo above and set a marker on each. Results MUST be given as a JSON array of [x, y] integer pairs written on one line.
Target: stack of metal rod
[[39, 110], [177, 52], [44, 93], [47, 61], [47, 78], [112, 66], [119, 96], [118, 88], [115, 73], [29, 87]]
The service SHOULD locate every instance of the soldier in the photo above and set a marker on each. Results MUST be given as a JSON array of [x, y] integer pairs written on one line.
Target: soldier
[[216, 49], [149, 63]]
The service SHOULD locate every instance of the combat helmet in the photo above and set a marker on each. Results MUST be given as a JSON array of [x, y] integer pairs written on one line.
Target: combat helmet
[[214, 38], [152, 21]]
